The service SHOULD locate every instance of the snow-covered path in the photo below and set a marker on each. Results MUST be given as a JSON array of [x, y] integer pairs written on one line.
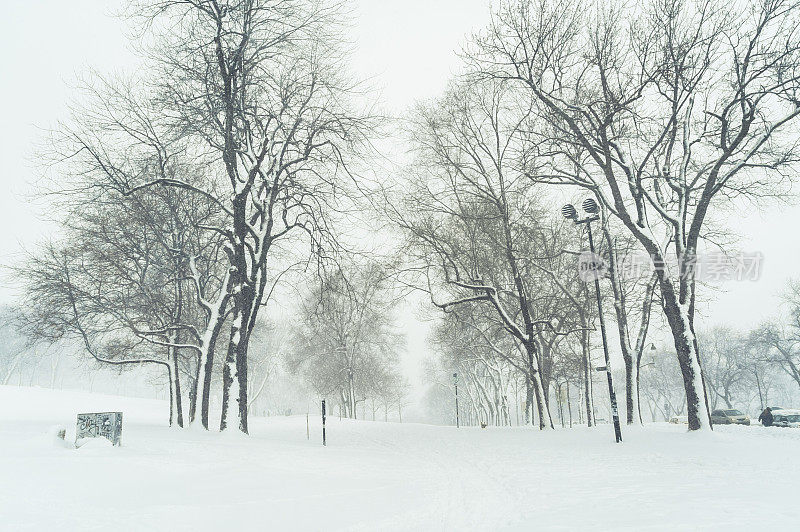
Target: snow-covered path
[[384, 476]]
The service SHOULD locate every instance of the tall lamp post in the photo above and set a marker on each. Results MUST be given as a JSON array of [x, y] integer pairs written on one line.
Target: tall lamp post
[[592, 210], [455, 383]]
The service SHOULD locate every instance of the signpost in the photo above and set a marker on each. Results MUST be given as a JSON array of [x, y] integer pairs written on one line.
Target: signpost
[[100, 425], [324, 442], [455, 383]]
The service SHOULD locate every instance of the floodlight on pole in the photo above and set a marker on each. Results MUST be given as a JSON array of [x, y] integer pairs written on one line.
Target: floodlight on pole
[[591, 207]]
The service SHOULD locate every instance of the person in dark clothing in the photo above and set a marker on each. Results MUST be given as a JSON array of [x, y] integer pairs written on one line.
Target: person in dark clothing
[[766, 417]]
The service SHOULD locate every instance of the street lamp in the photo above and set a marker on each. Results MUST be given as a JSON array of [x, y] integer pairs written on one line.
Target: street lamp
[[593, 211], [455, 383]]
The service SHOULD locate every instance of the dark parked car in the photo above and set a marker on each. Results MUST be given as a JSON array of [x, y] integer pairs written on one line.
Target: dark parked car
[[786, 418], [729, 417]]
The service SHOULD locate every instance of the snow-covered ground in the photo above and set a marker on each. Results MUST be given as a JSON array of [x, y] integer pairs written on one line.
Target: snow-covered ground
[[383, 476]]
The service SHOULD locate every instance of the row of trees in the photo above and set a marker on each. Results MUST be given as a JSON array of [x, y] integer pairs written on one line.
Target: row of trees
[[482, 243], [747, 370], [663, 112], [758, 367]]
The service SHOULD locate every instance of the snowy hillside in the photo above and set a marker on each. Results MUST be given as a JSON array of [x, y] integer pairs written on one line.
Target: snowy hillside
[[383, 476]]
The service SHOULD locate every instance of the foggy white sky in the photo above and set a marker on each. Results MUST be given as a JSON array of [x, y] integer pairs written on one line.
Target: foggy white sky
[[408, 49]]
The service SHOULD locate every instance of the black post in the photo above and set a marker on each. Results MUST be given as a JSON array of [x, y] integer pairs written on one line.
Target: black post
[[455, 382], [612, 396], [531, 384], [324, 443]]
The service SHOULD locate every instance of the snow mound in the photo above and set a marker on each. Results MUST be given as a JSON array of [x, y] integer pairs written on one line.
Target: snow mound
[[56, 435], [93, 443]]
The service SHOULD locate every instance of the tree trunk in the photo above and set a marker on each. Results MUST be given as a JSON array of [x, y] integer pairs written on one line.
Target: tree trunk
[[55, 361], [351, 393], [177, 388], [545, 368], [545, 420], [528, 400], [760, 395], [205, 366], [587, 378], [569, 406], [171, 378], [534, 374], [727, 400], [175, 403], [638, 391], [680, 322], [631, 389], [234, 372], [631, 353], [247, 282]]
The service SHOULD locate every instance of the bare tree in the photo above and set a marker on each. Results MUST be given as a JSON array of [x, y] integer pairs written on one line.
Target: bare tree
[[117, 281], [347, 344], [629, 292], [14, 347], [782, 338], [760, 368], [270, 344], [724, 352], [661, 386]]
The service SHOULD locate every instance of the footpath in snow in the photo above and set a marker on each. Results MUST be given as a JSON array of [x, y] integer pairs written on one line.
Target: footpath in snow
[[384, 476]]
